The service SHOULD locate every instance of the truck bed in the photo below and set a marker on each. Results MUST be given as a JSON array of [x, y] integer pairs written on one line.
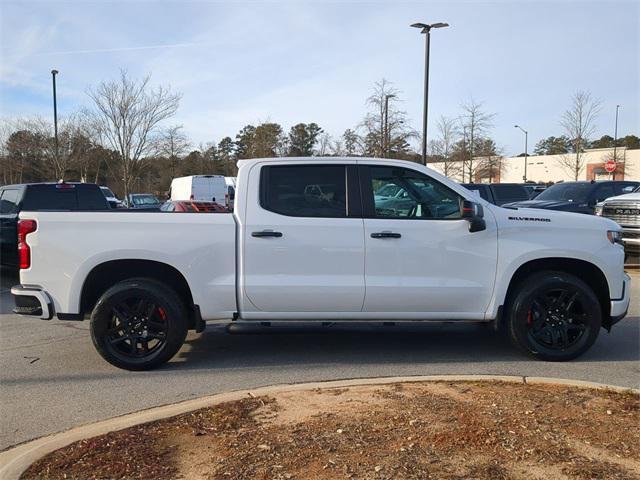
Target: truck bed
[[67, 245]]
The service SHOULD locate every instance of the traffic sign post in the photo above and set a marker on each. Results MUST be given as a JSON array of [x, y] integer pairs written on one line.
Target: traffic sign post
[[610, 166]]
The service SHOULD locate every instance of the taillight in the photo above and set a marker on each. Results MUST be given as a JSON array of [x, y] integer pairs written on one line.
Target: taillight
[[25, 227]]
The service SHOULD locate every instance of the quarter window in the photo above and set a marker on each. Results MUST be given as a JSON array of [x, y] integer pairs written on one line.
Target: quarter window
[[304, 190], [9, 201], [416, 195]]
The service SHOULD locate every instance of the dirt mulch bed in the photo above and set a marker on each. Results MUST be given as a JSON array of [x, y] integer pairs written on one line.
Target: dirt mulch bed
[[442, 430]]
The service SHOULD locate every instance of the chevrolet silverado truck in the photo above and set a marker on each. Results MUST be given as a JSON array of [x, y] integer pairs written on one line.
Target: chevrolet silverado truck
[[308, 242]]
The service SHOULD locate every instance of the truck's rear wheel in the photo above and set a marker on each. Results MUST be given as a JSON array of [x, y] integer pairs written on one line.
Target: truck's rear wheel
[[138, 324], [554, 316]]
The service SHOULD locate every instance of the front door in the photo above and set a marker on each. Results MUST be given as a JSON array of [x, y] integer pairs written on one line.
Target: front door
[[421, 259], [303, 239]]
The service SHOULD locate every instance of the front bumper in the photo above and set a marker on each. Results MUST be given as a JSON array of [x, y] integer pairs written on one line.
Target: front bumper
[[32, 301], [620, 306]]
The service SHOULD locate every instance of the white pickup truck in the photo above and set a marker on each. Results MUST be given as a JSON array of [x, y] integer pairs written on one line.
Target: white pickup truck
[[310, 240]]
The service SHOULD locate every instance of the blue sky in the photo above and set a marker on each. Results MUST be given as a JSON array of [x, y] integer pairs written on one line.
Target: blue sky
[[300, 61]]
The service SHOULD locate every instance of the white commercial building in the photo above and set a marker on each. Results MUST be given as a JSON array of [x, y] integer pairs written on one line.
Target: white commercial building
[[552, 168]]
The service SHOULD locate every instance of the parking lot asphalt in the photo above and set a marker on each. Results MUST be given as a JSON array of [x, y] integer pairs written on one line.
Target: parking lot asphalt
[[51, 377]]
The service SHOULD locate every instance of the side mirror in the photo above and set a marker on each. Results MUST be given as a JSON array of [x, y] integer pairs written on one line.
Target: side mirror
[[474, 213]]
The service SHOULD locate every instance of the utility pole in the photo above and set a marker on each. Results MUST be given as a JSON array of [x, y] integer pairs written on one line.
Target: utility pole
[[55, 112], [615, 141], [386, 143], [426, 29], [526, 153]]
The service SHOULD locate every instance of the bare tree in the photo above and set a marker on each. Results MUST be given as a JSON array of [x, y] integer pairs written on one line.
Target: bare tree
[[337, 147], [490, 161], [579, 124], [476, 124], [442, 148], [352, 143], [324, 144], [386, 133], [128, 113], [173, 143]]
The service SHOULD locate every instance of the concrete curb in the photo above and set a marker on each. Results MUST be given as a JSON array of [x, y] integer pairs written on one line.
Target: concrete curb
[[15, 461]]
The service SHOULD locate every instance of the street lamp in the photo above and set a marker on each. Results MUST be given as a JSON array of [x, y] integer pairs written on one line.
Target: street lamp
[[386, 137], [55, 110], [526, 153], [426, 29], [615, 142]]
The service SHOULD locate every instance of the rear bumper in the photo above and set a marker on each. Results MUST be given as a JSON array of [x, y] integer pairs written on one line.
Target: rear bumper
[[620, 306], [32, 301]]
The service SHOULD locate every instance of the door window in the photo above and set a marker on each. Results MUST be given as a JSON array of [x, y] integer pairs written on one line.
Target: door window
[[9, 201], [416, 195], [304, 190]]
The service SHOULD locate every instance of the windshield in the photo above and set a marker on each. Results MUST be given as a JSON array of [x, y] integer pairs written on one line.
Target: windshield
[[389, 190], [145, 200], [107, 192], [568, 192]]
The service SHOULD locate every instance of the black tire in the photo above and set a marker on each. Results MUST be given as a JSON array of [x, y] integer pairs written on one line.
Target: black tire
[[138, 324], [553, 316]]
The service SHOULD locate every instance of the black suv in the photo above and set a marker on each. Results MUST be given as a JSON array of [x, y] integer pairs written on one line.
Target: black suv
[[499, 193], [578, 197], [36, 197]]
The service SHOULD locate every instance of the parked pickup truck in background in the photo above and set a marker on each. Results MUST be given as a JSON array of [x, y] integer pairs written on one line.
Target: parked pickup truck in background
[[499, 193], [577, 197], [308, 241], [625, 210]]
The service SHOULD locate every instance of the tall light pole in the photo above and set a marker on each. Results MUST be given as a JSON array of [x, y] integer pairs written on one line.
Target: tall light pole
[[526, 152], [55, 110], [426, 29], [615, 142], [385, 135]]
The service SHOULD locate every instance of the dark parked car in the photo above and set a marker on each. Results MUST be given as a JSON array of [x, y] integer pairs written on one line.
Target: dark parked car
[[143, 201], [578, 197], [499, 193], [534, 189], [187, 206], [36, 197]]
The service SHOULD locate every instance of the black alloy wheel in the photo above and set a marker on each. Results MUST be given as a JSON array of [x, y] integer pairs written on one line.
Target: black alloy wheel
[[138, 324], [553, 316]]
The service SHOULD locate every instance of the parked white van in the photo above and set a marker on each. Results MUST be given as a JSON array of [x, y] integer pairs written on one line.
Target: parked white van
[[231, 192], [200, 188]]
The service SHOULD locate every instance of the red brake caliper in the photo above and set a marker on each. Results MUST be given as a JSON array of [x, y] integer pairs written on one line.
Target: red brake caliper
[[529, 317], [162, 313]]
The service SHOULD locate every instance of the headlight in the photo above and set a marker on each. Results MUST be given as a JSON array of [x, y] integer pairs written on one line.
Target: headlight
[[615, 236], [598, 210]]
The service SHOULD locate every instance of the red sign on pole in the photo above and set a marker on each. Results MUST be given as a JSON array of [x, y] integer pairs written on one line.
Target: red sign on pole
[[610, 166]]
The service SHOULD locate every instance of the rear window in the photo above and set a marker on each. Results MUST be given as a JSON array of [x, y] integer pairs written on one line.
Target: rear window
[[64, 197], [9, 201], [304, 190], [510, 193]]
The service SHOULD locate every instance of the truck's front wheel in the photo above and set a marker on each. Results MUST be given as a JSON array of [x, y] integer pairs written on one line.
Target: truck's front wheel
[[554, 316], [138, 324]]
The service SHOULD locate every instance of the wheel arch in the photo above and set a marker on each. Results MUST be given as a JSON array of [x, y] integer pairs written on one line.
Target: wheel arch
[[106, 274], [589, 273]]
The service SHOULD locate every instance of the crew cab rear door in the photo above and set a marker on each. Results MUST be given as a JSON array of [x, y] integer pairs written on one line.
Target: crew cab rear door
[[303, 245], [421, 259]]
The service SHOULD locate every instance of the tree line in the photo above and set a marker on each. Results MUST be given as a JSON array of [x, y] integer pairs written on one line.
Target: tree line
[[123, 138]]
